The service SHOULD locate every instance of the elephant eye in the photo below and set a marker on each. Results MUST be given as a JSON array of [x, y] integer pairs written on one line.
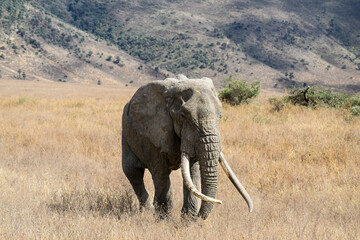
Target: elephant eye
[[187, 94]]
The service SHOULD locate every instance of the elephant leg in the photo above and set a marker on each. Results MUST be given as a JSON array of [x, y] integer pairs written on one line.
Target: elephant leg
[[163, 199], [134, 170], [190, 206]]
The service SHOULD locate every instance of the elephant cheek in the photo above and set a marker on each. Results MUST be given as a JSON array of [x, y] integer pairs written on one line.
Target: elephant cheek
[[177, 129], [187, 147], [187, 141]]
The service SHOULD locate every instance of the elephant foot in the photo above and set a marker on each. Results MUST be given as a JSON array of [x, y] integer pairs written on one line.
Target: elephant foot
[[163, 211], [147, 206], [188, 217]]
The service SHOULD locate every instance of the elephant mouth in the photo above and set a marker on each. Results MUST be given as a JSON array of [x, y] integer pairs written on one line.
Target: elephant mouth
[[185, 171]]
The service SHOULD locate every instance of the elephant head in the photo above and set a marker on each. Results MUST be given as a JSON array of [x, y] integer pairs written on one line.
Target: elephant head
[[180, 117]]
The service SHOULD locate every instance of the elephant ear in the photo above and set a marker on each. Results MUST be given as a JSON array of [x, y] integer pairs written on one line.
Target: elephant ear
[[149, 116]]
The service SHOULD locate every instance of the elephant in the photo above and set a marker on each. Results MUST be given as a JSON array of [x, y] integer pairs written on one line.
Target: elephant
[[171, 124]]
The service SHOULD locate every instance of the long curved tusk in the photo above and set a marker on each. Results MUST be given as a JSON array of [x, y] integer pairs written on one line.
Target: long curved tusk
[[236, 182], [185, 171]]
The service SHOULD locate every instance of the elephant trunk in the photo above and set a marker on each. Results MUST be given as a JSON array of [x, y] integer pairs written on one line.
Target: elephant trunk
[[208, 154]]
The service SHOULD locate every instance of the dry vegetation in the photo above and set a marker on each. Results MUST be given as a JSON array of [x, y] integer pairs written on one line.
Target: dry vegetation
[[61, 177]]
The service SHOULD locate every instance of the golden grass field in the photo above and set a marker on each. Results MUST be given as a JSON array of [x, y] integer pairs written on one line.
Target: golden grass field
[[61, 176]]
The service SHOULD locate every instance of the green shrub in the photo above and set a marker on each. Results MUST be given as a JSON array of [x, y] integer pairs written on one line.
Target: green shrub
[[277, 103], [355, 101], [354, 104], [315, 96], [355, 110], [237, 92], [34, 43]]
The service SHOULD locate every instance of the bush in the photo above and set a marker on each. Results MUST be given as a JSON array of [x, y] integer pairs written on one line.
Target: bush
[[117, 60], [277, 103], [355, 101], [237, 92], [355, 110], [315, 96], [34, 43]]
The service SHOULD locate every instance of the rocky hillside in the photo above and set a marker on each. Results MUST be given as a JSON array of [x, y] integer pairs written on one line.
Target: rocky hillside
[[280, 43]]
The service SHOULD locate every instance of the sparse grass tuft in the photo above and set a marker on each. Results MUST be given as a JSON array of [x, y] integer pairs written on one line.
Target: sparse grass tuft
[[98, 202], [277, 103], [23, 100]]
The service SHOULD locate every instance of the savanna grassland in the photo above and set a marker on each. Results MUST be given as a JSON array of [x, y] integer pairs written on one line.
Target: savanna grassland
[[61, 176]]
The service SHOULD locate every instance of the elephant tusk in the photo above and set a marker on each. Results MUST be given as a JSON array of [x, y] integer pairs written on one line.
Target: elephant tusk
[[185, 171], [235, 181]]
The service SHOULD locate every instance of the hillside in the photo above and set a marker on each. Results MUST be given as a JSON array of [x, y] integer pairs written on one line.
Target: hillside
[[38, 46], [279, 43]]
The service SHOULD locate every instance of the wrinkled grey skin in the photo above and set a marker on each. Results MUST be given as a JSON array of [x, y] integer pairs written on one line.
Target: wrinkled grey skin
[[163, 119]]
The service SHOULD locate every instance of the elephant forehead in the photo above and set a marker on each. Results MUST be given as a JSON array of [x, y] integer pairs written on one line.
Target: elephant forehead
[[205, 104], [196, 84]]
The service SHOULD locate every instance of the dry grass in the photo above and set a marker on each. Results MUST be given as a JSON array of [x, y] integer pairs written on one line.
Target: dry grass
[[61, 177]]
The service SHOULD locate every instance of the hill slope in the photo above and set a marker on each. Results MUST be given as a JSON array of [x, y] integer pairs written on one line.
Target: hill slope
[[280, 43], [37, 46]]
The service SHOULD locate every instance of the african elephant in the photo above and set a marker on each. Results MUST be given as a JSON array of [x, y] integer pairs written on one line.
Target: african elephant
[[173, 124]]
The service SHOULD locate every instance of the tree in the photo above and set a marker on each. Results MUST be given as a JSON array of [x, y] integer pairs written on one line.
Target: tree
[[237, 92], [34, 43], [291, 75], [89, 54], [117, 60], [19, 72]]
